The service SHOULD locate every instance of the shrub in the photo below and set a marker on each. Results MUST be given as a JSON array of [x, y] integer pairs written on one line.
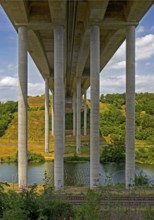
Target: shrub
[[141, 179], [112, 153]]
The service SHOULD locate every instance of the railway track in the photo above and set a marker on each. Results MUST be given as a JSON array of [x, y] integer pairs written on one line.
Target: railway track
[[123, 201]]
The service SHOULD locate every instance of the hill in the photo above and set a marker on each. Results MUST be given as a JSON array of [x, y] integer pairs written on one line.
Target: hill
[[112, 127]]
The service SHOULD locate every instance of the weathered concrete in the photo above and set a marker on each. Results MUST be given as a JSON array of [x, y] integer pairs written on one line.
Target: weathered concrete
[[94, 114], [85, 114], [130, 107], [52, 110], [22, 106], [74, 113], [47, 115], [59, 105], [78, 131]]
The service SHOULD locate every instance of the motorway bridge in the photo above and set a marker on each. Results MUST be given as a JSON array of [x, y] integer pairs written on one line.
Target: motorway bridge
[[70, 42]]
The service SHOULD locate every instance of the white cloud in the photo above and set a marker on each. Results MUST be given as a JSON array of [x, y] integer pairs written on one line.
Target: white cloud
[[117, 84], [119, 65], [112, 84], [140, 29], [8, 81], [35, 89], [144, 51], [145, 83], [145, 47]]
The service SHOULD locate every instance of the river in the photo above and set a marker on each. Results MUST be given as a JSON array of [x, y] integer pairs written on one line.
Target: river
[[75, 174]]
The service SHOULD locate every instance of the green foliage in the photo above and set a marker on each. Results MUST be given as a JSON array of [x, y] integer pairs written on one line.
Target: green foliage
[[112, 121], [35, 158], [90, 210], [145, 154], [57, 209], [113, 153], [141, 179], [6, 114], [32, 158], [69, 120], [29, 205], [76, 158], [116, 99]]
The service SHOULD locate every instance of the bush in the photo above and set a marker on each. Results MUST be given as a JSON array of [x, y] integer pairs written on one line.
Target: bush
[[112, 153], [76, 158], [90, 210], [141, 179]]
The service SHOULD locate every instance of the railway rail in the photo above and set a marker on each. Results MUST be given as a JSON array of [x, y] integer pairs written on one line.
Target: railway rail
[[123, 201]]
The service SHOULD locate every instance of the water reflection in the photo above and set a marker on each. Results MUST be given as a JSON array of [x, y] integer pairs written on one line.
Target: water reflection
[[74, 174]]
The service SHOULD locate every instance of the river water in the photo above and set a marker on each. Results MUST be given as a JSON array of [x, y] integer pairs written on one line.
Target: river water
[[75, 174]]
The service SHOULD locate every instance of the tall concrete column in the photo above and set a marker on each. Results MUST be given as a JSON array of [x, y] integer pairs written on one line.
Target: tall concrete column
[[74, 113], [94, 116], [52, 113], [22, 106], [130, 108], [78, 131], [59, 107], [47, 115], [85, 114]]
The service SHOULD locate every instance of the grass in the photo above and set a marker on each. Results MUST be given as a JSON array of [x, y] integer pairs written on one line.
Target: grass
[[145, 155]]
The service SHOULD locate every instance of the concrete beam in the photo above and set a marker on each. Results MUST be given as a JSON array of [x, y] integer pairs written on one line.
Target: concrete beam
[[135, 10], [58, 11], [38, 54], [15, 9], [83, 54], [108, 48]]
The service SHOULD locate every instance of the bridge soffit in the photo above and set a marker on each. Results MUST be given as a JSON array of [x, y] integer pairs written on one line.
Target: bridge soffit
[[37, 52], [92, 13]]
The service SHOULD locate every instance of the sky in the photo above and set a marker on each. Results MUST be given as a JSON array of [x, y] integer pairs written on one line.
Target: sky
[[112, 77]]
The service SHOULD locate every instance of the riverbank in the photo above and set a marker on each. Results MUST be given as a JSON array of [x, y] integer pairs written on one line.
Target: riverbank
[[8, 151], [116, 190]]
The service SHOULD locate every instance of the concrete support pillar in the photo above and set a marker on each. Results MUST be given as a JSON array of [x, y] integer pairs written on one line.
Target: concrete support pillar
[[47, 115], [74, 113], [78, 131], [22, 107], [130, 108], [94, 116], [59, 107], [52, 113], [85, 114]]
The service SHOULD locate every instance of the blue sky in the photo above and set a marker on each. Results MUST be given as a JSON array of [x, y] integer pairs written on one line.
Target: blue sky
[[112, 78]]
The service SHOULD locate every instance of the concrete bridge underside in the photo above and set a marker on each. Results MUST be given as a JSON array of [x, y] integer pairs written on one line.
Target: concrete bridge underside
[[70, 42]]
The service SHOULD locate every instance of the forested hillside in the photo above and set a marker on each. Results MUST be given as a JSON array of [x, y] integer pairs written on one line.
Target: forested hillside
[[112, 116], [6, 114], [112, 120], [112, 128]]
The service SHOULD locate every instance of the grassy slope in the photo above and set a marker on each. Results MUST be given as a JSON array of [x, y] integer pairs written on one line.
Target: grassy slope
[[35, 131]]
